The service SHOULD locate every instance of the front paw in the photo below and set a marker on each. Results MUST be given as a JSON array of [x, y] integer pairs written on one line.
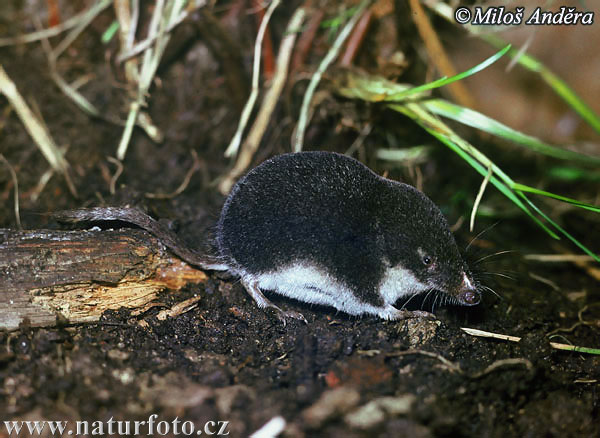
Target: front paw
[[391, 313]]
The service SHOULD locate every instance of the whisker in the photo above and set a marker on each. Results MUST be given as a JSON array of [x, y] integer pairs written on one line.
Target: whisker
[[480, 234], [443, 299], [491, 290], [437, 295], [493, 255], [426, 297], [408, 301], [500, 275]]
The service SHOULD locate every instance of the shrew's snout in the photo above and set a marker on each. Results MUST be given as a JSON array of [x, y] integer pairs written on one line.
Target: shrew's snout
[[468, 295]]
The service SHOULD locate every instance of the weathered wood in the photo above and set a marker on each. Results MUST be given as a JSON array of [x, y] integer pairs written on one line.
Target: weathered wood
[[77, 275]]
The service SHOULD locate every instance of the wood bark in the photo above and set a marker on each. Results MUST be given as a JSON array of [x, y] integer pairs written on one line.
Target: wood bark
[[74, 276]]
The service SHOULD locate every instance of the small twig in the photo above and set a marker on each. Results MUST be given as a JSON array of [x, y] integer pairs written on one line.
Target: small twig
[[583, 310], [39, 187], [306, 38], [450, 365], [115, 177], [268, 59], [419, 182], [162, 18], [67, 89], [127, 26], [565, 330], [94, 10], [484, 334], [355, 40], [259, 126], [179, 308], [81, 81], [195, 166], [70, 90], [503, 363], [138, 48], [578, 323], [356, 144], [478, 198], [368, 353], [554, 258], [13, 175], [544, 280], [82, 23], [298, 139], [234, 145], [135, 15], [454, 228]]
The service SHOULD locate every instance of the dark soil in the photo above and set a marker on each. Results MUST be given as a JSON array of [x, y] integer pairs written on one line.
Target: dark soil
[[227, 360]]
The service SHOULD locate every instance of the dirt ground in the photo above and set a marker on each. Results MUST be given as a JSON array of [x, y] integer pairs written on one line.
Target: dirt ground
[[228, 362]]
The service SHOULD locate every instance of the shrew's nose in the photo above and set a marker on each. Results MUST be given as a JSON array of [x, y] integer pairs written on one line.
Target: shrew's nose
[[468, 294]]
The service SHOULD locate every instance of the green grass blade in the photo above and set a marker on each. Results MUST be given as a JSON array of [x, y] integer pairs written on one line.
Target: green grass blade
[[569, 173], [430, 120], [480, 121], [558, 85], [500, 185], [525, 188], [559, 228], [110, 32], [398, 97], [529, 62]]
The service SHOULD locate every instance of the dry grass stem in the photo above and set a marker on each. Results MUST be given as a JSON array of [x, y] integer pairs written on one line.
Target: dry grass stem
[[555, 345], [94, 10], [186, 181], [234, 145], [478, 198], [15, 180], [503, 363], [35, 128], [437, 54], [298, 136], [115, 177], [140, 77], [451, 366], [250, 145]]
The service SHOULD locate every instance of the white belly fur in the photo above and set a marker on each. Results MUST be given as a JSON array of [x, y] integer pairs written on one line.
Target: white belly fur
[[312, 284]]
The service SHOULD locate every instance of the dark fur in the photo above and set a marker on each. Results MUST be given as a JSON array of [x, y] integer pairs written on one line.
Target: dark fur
[[332, 210]]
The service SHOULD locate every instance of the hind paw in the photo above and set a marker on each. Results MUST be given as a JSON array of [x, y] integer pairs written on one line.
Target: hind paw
[[284, 315]]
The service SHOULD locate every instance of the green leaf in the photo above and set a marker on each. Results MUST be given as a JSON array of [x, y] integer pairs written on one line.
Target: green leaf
[[480, 121]]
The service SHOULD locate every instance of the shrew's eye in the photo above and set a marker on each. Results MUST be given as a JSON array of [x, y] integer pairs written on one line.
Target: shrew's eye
[[427, 260]]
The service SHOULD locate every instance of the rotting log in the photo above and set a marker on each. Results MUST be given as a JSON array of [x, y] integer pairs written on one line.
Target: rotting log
[[74, 276]]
